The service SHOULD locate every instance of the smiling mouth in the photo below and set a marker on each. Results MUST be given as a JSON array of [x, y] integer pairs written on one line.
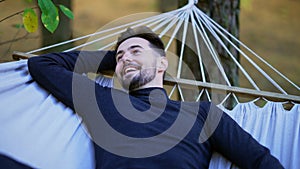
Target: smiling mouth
[[130, 68]]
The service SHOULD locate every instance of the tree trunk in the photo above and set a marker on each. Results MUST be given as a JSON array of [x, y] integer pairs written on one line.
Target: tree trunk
[[62, 33], [226, 13]]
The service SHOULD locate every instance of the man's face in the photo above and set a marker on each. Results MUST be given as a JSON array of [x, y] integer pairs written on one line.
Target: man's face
[[136, 63]]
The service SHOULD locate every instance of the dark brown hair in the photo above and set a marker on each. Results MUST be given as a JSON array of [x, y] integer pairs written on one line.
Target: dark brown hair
[[145, 33]]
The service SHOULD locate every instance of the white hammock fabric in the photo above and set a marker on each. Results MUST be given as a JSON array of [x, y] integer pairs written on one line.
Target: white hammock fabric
[[273, 126], [36, 114], [39, 131], [36, 129]]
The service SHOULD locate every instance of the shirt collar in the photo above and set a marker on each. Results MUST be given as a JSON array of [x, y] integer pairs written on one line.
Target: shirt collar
[[146, 93]]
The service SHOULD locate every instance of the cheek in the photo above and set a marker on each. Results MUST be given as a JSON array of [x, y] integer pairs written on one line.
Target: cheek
[[150, 63], [118, 70]]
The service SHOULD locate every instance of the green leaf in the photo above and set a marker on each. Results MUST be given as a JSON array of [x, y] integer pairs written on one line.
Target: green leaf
[[66, 11], [30, 20], [49, 16]]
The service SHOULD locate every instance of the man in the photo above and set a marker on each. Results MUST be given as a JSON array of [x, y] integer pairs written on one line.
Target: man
[[138, 126]]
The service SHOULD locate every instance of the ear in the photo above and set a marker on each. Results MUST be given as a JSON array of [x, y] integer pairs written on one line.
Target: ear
[[163, 64]]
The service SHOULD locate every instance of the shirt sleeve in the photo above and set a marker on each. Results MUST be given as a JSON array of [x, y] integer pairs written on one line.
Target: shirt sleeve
[[56, 71], [235, 144]]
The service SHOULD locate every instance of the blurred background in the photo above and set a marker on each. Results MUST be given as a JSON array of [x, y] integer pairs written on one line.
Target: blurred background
[[270, 28]]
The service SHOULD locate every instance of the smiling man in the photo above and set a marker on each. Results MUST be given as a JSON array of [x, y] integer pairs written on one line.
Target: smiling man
[[170, 140], [140, 64]]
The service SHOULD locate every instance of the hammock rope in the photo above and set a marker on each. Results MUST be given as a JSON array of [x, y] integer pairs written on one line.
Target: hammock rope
[[218, 27], [251, 61], [190, 16], [271, 125]]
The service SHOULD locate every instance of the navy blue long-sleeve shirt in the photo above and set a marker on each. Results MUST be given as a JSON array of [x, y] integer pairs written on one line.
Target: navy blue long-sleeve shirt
[[196, 128]]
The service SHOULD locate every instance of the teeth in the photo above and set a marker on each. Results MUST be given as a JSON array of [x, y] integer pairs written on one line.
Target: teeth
[[129, 69]]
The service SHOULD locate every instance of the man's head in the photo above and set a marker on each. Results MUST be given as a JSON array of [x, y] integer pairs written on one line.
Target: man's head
[[141, 60], [145, 33]]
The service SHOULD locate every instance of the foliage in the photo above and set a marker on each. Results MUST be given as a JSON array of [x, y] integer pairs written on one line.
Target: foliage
[[30, 20], [66, 11], [49, 16]]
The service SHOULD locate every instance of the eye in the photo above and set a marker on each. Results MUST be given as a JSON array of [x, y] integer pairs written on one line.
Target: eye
[[119, 57], [136, 52]]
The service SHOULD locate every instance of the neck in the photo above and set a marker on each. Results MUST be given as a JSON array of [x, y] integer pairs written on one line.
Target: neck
[[150, 85], [156, 82]]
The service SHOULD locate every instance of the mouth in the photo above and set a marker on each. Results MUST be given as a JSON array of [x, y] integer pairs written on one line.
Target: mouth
[[130, 68]]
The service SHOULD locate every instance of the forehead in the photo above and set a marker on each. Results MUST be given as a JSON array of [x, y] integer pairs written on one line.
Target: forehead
[[135, 41]]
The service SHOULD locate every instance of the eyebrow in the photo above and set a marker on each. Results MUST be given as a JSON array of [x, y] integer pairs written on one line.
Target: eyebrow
[[135, 46], [131, 47]]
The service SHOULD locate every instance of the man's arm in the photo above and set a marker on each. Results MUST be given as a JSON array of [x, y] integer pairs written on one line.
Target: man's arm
[[238, 146], [55, 71]]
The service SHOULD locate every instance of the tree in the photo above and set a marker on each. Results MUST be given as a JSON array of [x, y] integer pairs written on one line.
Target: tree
[[226, 13]]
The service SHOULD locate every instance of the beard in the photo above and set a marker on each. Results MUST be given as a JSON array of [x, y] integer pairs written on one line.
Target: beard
[[140, 79]]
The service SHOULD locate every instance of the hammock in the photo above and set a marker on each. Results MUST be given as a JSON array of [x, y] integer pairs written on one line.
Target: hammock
[[36, 129], [271, 125]]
